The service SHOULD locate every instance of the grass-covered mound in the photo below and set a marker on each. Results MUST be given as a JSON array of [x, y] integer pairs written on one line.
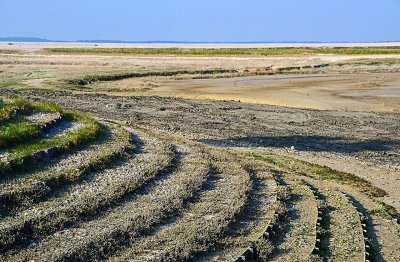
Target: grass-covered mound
[[24, 143]]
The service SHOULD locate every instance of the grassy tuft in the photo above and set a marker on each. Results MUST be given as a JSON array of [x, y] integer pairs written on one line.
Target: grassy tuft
[[386, 211], [17, 133], [291, 165], [47, 107]]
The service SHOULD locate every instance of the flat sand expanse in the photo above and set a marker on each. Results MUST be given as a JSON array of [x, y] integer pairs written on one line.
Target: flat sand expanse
[[355, 92], [369, 92]]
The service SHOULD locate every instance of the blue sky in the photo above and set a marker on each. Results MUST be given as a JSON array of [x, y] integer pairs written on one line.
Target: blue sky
[[203, 20]]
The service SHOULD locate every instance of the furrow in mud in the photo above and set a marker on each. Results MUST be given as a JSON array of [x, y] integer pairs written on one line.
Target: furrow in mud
[[26, 188], [295, 240], [98, 191], [202, 223], [101, 237]]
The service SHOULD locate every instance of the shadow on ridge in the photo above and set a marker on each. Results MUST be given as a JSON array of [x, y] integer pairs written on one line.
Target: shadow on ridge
[[309, 143]]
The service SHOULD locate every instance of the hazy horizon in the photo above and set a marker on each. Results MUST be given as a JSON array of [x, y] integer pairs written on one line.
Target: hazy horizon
[[117, 41]]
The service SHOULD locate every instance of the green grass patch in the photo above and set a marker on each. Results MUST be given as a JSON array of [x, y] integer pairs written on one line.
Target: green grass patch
[[23, 106], [386, 211], [89, 131], [6, 51], [46, 107], [291, 165], [391, 211], [227, 51], [17, 132], [5, 83], [20, 130], [7, 109]]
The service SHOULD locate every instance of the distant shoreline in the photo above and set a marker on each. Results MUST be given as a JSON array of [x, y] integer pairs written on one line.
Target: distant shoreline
[[102, 41], [34, 46]]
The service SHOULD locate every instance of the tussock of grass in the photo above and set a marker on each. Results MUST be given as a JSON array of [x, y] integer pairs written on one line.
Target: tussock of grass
[[290, 165], [227, 51], [17, 133]]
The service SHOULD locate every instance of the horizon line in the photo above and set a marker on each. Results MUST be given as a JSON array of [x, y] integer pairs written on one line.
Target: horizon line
[[100, 41]]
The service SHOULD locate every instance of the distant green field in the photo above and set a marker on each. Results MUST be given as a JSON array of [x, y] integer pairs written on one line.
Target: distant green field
[[228, 51], [6, 51]]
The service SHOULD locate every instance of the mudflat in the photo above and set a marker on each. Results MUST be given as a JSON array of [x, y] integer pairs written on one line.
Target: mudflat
[[353, 92], [302, 144]]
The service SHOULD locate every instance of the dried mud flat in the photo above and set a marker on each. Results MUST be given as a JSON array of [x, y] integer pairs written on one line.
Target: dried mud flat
[[377, 92], [365, 143], [210, 179]]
